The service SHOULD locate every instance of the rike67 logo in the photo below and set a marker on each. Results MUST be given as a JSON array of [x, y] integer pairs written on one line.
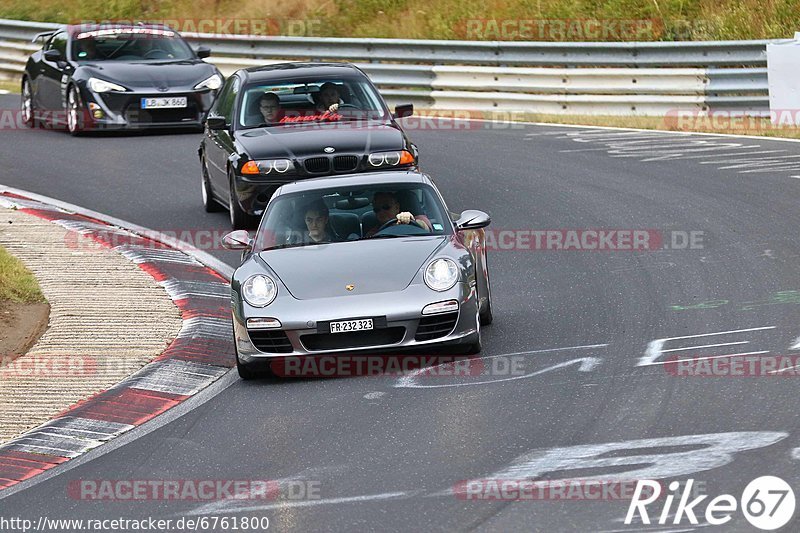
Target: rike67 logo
[[767, 503]]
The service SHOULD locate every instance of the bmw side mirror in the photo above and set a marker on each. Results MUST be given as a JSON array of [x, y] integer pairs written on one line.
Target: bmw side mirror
[[405, 110], [472, 219], [203, 52], [216, 123], [54, 56], [237, 240]]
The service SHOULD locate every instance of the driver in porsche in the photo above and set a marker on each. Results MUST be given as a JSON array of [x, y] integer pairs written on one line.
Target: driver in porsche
[[387, 207]]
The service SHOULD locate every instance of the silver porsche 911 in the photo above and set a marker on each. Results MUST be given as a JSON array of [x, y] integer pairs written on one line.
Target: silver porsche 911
[[357, 263]]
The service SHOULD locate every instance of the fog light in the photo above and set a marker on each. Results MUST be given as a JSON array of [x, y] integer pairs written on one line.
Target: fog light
[[440, 307], [263, 323]]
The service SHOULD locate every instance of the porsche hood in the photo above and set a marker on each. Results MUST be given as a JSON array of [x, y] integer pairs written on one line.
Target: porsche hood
[[371, 266]]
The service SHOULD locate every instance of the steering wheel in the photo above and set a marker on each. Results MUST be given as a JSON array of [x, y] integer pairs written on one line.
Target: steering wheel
[[349, 105], [388, 224]]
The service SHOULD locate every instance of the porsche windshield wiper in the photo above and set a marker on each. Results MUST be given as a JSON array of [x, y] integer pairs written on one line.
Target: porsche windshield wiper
[[293, 245]]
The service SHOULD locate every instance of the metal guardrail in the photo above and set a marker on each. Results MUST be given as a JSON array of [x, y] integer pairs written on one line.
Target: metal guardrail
[[652, 78]]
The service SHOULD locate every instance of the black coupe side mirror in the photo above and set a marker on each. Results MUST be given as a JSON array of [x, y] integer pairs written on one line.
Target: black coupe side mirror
[[217, 123], [472, 219], [203, 52], [404, 110], [237, 240], [53, 56]]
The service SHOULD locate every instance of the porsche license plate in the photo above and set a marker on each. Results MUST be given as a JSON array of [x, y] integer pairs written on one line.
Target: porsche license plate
[[351, 325], [175, 102]]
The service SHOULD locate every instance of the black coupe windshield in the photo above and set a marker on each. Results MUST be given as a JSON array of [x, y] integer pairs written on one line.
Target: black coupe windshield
[[130, 44], [319, 100], [339, 215]]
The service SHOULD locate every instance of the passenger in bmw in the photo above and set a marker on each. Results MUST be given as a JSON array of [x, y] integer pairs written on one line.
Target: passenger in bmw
[[269, 105]]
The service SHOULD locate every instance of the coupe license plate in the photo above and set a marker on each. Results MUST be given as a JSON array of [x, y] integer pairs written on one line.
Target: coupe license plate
[[176, 102], [351, 325]]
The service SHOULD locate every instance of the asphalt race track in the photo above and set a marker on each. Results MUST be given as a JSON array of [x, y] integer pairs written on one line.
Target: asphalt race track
[[592, 330]]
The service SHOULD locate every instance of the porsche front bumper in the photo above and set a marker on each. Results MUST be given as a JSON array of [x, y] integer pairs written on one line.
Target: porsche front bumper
[[399, 324]]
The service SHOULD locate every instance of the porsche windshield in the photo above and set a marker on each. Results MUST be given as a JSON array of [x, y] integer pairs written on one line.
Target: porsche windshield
[[130, 44], [338, 215], [321, 100]]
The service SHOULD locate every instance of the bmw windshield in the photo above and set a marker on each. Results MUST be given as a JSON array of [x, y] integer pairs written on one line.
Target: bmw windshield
[[318, 100], [349, 214]]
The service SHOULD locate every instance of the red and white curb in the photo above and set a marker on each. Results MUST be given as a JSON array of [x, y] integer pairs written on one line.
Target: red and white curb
[[201, 354]]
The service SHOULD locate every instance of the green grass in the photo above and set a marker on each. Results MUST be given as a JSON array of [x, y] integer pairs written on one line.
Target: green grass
[[445, 19], [17, 284], [11, 86]]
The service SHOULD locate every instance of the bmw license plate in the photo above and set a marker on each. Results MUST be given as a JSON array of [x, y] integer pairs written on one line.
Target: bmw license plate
[[351, 325], [175, 102]]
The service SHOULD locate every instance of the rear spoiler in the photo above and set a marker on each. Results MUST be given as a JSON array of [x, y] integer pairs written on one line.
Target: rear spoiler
[[43, 35]]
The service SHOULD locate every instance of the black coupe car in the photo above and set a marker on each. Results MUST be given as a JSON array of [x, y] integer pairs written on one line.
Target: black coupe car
[[115, 77], [280, 123]]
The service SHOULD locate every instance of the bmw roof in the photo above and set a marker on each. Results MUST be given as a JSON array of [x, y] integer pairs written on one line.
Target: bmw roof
[[301, 70]]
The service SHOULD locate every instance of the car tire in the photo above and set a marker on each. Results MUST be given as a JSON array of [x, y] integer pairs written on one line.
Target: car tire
[[246, 372], [26, 104], [74, 112], [486, 315], [209, 204], [239, 219]]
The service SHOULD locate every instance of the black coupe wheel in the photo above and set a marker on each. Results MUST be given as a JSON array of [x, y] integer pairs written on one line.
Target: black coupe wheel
[[28, 111], [74, 112], [239, 219]]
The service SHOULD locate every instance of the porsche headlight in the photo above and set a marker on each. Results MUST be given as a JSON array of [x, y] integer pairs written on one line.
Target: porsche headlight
[[441, 274], [259, 290], [213, 83], [102, 86]]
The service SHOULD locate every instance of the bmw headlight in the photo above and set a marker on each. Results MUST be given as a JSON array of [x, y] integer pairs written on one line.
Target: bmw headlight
[[268, 166], [390, 159], [214, 82], [441, 274], [259, 290], [102, 86]]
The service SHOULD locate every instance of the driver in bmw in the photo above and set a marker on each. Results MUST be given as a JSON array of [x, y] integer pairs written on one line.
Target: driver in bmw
[[386, 208]]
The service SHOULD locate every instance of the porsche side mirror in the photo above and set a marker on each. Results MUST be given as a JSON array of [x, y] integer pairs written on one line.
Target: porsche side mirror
[[203, 52], [216, 123], [472, 219], [237, 240], [54, 56], [405, 110]]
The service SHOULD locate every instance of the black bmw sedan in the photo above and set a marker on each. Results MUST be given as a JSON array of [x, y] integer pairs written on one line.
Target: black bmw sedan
[[91, 77], [280, 123]]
